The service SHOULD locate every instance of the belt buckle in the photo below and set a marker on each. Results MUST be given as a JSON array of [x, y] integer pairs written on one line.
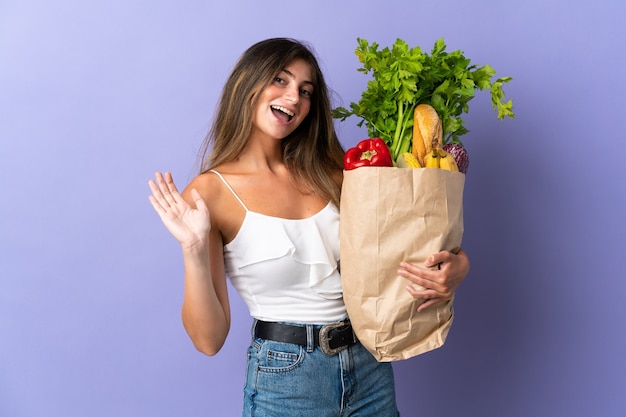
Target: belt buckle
[[325, 340]]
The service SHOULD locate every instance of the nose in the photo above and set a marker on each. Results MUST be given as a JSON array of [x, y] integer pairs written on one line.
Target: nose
[[293, 94]]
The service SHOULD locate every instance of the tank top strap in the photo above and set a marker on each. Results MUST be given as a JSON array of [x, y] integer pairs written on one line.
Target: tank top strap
[[230, 188]]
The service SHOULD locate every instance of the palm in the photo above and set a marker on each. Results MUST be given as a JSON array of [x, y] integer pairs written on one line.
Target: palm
[[188, 225]]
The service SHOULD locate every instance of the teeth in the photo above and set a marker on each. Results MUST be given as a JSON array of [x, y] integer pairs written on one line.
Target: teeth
[[284, 110]]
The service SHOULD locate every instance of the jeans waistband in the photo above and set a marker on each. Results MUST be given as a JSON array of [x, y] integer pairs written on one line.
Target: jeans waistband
[[331, 338]]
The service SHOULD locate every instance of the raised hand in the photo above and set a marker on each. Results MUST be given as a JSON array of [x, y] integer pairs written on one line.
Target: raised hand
[[189, 225]]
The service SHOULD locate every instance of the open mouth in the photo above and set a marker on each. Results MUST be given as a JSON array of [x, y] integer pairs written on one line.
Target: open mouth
[[282, 113]]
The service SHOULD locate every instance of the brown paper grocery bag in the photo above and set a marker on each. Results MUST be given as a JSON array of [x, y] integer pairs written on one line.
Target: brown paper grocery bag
[[389, 215]]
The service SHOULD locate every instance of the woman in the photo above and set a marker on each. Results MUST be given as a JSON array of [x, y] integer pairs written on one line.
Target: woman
[[264, 212]]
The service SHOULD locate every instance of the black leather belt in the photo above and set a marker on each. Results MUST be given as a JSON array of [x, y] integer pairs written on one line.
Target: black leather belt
[[331, 338]]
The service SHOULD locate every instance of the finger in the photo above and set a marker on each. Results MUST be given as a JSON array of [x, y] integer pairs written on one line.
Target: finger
[[429, 303], [158, 207], [173, 190], [157, 195], [427, 288], [165, 189], [430, 297], [198, 200], [158, 177], [171, 186], [425, 277], [421, 292], [438, 258]]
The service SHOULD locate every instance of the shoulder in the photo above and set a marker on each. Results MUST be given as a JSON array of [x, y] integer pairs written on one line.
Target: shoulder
[[226, 212], [207, 184], [211, 188], [337, 177]]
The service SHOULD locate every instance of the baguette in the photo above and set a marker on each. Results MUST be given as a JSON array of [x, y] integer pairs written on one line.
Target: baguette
[[427, 131]]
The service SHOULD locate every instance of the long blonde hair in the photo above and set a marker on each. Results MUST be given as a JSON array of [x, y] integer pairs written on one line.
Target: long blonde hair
[[312, 153]]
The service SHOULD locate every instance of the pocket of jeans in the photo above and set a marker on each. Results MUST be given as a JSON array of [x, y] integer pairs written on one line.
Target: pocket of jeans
[[279, 357]]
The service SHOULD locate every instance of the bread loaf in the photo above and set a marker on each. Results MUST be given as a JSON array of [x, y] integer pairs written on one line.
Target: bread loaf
[[427, 131]]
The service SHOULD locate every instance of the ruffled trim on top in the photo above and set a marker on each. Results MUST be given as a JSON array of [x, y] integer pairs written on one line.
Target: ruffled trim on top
[[308, 241]]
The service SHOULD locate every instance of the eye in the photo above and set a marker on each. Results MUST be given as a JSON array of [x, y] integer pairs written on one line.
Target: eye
[[279, 80], [306, 93]]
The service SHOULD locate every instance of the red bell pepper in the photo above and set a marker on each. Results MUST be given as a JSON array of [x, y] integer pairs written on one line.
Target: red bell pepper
[[368, 152]]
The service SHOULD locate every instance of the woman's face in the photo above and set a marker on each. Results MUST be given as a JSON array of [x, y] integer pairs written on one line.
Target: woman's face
[[285, 103]]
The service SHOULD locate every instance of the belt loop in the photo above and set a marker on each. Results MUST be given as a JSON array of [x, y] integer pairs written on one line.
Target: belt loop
[[253, 330], [310, 340]]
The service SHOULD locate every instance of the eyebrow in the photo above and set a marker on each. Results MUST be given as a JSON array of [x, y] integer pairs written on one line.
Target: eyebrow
[[286, 71]]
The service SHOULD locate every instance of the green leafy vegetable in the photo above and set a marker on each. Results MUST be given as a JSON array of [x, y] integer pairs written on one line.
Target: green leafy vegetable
[[404, 77]]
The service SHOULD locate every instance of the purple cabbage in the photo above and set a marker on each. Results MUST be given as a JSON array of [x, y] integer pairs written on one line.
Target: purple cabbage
[[460, 155]]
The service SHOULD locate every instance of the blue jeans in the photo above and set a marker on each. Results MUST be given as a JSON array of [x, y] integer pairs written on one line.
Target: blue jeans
[[289, 380]]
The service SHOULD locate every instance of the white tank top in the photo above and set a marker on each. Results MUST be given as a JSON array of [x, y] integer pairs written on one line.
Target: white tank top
[[287, 270]]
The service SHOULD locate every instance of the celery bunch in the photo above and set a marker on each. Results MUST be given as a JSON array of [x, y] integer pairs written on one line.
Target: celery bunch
[[404, 77]]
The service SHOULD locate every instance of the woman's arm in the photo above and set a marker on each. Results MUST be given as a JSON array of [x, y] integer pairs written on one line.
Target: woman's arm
[[439, 283], [206, 309]]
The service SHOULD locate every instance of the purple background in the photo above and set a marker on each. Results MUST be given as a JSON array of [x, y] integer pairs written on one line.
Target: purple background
[[96, 96]]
